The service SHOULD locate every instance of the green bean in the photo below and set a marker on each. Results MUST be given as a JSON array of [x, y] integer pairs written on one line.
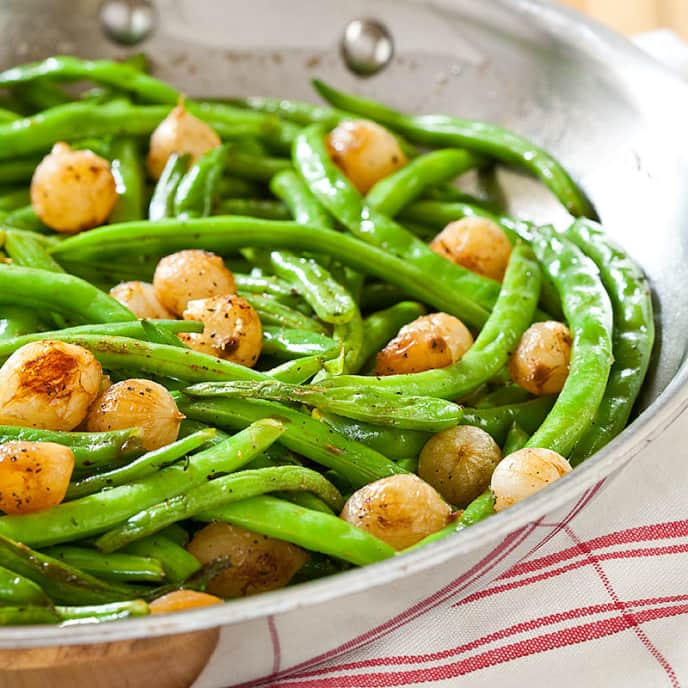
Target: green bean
[[304, 206], [632, 340], [253, 207], [196, 193], [283, 343], [98, 512], [271, 285], [162, 202], [176, 533], [28, 616], [516, 439], [394, 443], [145, 465], [92, 450], [135, 329], [38, 133], [383, 325], [113, 567], [473, 292], [296, 111], [449, 193], [317, 566], [235, 187], [502, 396], [312, 530], [18, 590], [369, 405], [15, 198], [27, 249], [216, 494], [155, 334], [116, 118], [16, 321], [127, 169], [300, 112], [512, 314], [411, 465], [350, 336], [487, 139], [225, 234], [254, 167], [40, 95], [100, 145], [17, 170], [274, 132], [497, 420], [304, 435], [478, 510], [298, 371], [391, 194], [273, 312], [123, 353], [381, 295], [118, 74], [26, 218], [136, 268], [439, 214], [331, 302], [306, 209], [8, 115], [102, 612], [305, 499], [60, 581], [589, 315], [64, 294], [177, 563]]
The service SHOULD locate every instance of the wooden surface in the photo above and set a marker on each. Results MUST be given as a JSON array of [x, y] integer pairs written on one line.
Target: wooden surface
[[166, 662], [636, 16]]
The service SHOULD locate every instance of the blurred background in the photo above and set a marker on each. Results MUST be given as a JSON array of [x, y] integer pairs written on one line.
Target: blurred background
[[636, 16]]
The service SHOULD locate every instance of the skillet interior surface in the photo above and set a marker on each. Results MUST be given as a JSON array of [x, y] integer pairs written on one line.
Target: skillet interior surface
[[611, 115]]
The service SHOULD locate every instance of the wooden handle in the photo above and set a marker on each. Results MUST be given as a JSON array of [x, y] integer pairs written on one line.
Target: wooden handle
[[165, 662]]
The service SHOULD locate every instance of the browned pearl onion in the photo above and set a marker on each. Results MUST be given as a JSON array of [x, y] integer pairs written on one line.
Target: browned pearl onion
[[231, 329], [540, 363], [137, 404], [400, 510], [365, 152], [192, 274], [140, 299], [524, 473], [180, 132], [476, 243], [73, 190], [431, 341], [33, 475], [48, 385], [258, 563], [459, 462]]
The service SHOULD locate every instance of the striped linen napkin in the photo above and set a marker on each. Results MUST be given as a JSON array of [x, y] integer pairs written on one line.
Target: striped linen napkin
[[604, 602]]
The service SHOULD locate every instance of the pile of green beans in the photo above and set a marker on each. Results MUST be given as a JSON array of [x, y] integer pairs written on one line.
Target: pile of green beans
[[333, 275]]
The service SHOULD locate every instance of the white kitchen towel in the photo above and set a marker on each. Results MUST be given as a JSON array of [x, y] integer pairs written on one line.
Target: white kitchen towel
[[603, 603]]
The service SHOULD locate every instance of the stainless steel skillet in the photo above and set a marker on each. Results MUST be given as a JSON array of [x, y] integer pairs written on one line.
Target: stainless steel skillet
[[616, 120]]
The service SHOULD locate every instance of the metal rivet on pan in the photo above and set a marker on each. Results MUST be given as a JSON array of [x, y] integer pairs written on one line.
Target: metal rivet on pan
[[128, 21], [367, 46]]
